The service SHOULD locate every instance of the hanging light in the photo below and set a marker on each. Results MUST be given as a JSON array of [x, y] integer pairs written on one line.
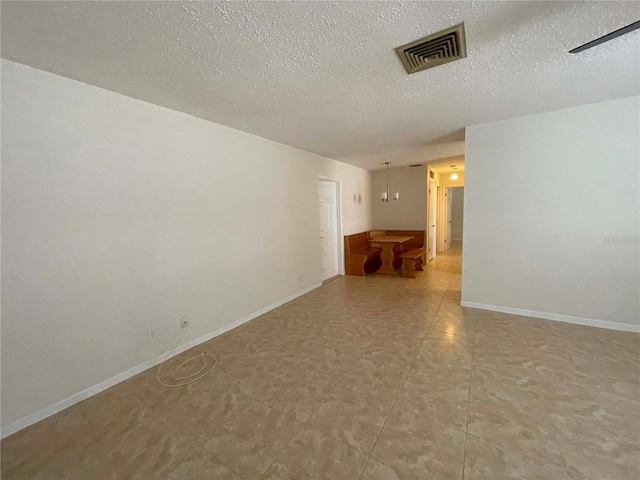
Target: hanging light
[[384, 196], [454, 175]]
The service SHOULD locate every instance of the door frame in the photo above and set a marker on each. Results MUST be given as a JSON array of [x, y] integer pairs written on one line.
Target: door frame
[[430, 237], [440, 234], [340, 242], [448, 198]]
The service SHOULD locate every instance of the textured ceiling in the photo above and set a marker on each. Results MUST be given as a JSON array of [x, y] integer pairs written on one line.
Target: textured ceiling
[[323, 76], [444, 164]]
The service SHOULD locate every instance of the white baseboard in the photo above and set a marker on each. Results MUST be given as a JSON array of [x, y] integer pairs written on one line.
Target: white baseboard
[[590, 322], [121, 377]]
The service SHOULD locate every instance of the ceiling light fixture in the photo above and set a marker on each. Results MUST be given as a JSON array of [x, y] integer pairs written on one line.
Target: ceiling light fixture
[[454, 175], [385, 195]]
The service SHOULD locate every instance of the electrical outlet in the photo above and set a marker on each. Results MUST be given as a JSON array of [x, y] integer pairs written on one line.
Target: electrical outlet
[[184, 321], [151, 335]]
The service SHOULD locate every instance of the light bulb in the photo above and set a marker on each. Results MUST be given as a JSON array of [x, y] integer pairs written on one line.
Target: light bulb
[[454, 176]]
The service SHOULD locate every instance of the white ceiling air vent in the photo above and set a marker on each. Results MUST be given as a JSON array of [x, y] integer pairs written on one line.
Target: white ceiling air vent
[[437, 49]]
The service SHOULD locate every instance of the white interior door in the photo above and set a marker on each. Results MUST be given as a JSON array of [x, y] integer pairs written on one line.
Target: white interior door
[[448, 197], [328, 192], [433, 215]]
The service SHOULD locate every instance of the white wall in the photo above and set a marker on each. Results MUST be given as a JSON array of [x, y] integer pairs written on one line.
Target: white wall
[[457, 208], [408, 213], [564, 243], [119, 215]]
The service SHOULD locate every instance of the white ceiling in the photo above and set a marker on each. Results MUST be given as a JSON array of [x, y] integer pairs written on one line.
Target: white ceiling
[[323, 76], [444, 164]]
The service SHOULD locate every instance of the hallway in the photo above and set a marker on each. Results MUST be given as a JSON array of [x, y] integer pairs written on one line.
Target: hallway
[[372, 377]]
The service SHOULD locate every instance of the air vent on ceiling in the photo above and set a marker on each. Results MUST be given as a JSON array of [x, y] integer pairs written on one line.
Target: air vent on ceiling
[[416, 165], [433, 50]]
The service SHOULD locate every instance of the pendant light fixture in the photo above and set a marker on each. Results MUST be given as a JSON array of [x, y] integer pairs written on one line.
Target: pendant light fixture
[[385, 195], [454, 175]]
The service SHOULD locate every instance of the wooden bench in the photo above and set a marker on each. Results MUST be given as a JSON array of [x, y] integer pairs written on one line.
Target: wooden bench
[[416, 243], [412, 261], [358, 252], [376, 233]]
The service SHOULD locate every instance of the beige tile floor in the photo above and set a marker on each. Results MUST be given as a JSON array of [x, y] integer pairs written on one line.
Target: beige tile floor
[[371, 378]]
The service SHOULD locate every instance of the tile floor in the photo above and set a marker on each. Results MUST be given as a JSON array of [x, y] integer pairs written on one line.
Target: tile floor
[[365, 378]]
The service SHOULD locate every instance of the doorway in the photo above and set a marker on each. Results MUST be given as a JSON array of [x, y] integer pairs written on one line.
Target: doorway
[[330, 249], [449, 205], [450, 216]]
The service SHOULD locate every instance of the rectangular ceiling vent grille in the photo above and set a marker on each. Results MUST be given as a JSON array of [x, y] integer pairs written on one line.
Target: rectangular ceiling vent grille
[[433, 50]]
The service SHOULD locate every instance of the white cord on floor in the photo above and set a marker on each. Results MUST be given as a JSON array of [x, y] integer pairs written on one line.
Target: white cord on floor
[[190, 378]]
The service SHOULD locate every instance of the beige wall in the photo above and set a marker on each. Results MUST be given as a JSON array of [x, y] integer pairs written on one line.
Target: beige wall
[[457, 210], [120, 216], [410, 211]]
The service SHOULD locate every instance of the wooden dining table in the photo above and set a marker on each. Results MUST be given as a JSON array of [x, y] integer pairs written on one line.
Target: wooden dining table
[[387, 243]]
